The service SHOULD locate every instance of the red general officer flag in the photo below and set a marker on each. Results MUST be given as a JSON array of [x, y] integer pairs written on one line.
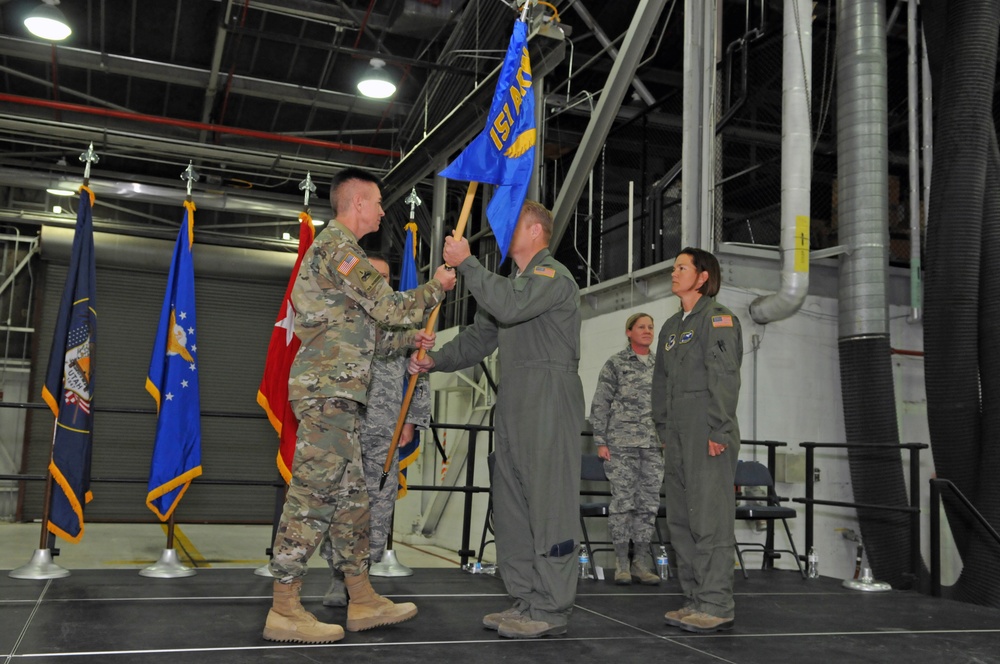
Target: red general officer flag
[[272, 395]]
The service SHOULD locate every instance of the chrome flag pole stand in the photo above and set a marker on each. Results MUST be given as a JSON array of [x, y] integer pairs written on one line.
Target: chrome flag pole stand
[[866, 583], [39, 567], [389, 566], [168, 566]]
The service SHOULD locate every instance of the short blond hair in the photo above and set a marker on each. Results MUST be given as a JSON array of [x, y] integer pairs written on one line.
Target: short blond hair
[[539, 214]]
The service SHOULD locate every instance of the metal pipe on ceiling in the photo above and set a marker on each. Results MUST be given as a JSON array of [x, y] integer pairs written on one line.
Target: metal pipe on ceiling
[[619, 79], [131, 145], [602, 37], [152, 255], [273, 206], [198, 126]]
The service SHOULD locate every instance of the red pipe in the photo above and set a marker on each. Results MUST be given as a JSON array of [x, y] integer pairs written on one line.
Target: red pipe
[[200, 126], [911, 353]]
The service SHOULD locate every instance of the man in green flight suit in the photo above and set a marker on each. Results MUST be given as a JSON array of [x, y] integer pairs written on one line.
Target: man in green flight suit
[[533, 317], [696, 386], [340, 300]]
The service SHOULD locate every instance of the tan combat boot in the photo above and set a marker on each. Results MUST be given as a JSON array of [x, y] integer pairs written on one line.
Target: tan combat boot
[[622, 575], [288, 621], [366, 609]]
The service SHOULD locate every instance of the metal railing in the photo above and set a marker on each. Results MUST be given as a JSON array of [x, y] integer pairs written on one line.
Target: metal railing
[[913, 509], [936, 485], [469, 489]]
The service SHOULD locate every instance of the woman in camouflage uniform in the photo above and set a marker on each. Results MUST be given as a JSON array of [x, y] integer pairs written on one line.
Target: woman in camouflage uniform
[[621, 416]]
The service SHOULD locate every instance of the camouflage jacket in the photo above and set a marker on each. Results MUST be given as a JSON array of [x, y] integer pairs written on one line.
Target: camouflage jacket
[[621, 412], [385, 396], [340, 302]]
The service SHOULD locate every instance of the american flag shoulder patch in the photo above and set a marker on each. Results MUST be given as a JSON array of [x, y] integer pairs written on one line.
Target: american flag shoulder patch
[[348, 264], [722, 321], [545, 271]]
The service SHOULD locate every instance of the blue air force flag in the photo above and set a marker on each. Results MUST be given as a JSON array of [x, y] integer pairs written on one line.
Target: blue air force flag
[[69, 382], [504, 153], [173, 383]]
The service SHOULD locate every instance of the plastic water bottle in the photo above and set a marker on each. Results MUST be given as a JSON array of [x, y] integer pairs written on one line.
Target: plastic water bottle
[[812, 563], [584, 562], [663, 564]]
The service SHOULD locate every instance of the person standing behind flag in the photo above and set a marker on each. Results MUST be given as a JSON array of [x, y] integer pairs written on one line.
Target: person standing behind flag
[[340, 300], [385, 396], [533, 318]]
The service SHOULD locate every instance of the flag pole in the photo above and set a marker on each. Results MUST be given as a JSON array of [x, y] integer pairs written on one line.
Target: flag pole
[[463, 219], [41, 565], [169, 565]]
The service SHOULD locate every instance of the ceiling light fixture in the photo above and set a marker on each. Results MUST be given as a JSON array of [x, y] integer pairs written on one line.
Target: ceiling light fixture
[[56, 191], [376, 83], [48, 22]]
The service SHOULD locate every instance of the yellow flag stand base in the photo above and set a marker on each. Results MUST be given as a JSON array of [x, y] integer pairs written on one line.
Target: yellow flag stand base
[[39, 567]]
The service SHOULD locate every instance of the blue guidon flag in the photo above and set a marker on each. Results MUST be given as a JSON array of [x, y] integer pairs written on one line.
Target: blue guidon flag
[[503, 154], [408, 281], [172, 381], [69, 382]]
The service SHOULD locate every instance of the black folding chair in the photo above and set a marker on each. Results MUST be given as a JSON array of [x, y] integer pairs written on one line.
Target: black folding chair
[[762, 508]]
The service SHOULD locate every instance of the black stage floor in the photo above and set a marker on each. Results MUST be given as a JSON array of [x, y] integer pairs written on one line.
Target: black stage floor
[[118, 617]]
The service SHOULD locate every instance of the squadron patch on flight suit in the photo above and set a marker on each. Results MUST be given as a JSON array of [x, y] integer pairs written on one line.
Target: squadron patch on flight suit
[[545, 271], [722, 321], [348, 264], [687, 336], [671, 342]]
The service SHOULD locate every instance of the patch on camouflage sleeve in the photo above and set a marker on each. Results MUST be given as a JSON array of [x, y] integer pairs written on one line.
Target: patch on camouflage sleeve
[[722, 321], [348, 264]]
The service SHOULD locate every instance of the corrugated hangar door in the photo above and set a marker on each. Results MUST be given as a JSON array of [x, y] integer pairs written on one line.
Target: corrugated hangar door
[[238, 293]]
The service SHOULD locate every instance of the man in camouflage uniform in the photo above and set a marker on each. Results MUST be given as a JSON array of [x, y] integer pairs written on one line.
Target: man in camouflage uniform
[[533, 319], [340, 301], [385, 398], [622, 419]]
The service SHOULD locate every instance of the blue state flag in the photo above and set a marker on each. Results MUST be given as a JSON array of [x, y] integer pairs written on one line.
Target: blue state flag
[[408, 281], [173, 383], [69, 382], [504, 153]]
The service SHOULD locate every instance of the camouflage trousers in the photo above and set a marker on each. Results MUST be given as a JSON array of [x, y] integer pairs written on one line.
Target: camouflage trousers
[[636, 475], [381, 503], [327, 497]]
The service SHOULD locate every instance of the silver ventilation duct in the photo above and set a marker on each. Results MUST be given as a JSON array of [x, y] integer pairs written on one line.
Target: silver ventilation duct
[[796, 167]]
